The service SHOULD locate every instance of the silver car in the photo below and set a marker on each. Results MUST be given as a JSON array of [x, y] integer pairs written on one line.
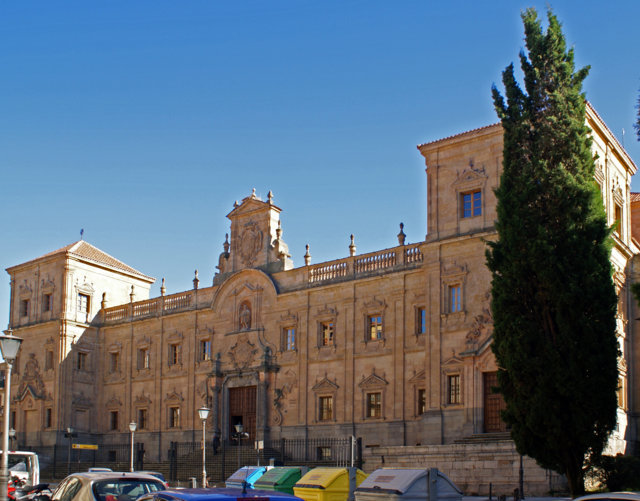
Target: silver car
[[106, 486]]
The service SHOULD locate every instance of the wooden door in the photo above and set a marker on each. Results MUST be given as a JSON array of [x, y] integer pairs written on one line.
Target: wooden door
[[493, 404], [242, 409]]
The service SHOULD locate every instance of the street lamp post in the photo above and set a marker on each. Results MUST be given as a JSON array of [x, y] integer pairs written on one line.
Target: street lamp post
[[132, 429], [203, 412], [12, 436], [70, 433], [9, 346]]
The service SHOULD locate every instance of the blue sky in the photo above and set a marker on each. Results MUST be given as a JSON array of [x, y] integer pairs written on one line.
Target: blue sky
[[143, 121]]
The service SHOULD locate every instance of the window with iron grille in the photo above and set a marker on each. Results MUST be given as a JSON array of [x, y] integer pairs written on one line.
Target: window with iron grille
[[325, 408], [374, 327], [374, 405]]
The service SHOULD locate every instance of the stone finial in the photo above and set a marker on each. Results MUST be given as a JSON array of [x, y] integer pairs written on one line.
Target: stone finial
[[352, 247], [103, 303], [163, 289], [196, 281], [401, 235], [132, 295], [253, 193], [270, 197], [225, 245], [307, 256], [235, 204]]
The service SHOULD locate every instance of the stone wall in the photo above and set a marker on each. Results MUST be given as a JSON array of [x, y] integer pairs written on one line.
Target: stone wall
[[472, 466]]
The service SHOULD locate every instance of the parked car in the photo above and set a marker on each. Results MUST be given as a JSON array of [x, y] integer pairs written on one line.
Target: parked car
[[218, 494], [106, 486]]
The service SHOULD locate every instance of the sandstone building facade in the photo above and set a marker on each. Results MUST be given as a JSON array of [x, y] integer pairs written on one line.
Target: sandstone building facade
[[392, 346]]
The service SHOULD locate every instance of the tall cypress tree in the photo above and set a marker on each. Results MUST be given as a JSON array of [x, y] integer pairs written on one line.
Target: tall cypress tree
[[553, 298]]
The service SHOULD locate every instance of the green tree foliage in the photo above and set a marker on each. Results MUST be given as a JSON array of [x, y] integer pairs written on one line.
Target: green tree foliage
[[553, 298]]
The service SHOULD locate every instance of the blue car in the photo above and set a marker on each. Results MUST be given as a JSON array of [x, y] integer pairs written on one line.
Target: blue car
[[218, 494]]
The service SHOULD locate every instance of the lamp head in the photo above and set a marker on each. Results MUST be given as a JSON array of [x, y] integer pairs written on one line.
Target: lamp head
[[239, 428], [9, 345], [69, 430], [203, 412], [12, 433], [132, 426]]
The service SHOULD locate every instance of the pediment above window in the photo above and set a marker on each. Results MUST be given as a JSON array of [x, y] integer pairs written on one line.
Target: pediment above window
[[470, 178], [373, 381], [325, 385]]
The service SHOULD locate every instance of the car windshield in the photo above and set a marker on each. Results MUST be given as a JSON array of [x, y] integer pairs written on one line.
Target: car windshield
[[124, 489]]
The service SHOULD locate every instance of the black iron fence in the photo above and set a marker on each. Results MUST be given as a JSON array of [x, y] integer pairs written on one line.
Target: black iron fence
[[183, 461]]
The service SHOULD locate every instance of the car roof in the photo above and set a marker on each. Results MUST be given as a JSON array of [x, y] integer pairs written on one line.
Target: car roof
[[221, 493], [611, 495], [106, 475]]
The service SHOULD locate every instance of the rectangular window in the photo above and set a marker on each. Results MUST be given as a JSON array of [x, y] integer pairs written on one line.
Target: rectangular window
[[421, 406], [81, 361], [174, 354], [84, 303], [324, 453], [205, 350], [421, 321], [326, 333], [24, 308], [290, 338], [325, 408], [114, 362], [472, 204], [618, 222], [48, 360], [48, 419], [374, 327], [455, 299], [374, 405], [453, 390], [113, 420], [142, 419], [46, 302], [144, 359], [174, 417]]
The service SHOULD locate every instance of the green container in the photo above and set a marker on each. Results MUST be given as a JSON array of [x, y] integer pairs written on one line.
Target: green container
[[280, 479]]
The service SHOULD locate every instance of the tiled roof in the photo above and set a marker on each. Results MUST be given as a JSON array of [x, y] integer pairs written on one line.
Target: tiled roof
[[86, 251], [635, 197]]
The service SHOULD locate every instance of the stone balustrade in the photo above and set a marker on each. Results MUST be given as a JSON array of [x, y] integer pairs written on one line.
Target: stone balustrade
[[374, 262], [153, 307]]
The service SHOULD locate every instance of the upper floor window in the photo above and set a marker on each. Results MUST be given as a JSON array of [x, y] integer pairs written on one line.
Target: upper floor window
[[453, 389], [81, 361], [48, 360], [174, 354], [471, 203], [289, 334], [374, 327], [48, 419], [113, 420], [47, 302], [421, 320], [617, 229], [142, 419], [421, 404], [374, 405], [205, 350], [325, 408], [84, 303], [326, 333], [114, 362], [144, 358], [455, 298], [174, 417], [24, 308]]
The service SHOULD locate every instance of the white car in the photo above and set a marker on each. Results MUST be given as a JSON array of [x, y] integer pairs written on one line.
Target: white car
[[106, 486], [611, 496]]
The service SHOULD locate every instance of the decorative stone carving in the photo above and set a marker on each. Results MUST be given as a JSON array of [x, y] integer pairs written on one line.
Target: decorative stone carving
[[244, 316], [242, 354], [31, 381], [251, 242]]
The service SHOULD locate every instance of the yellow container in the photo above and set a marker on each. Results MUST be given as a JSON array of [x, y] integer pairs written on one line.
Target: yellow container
[[327, 484]]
